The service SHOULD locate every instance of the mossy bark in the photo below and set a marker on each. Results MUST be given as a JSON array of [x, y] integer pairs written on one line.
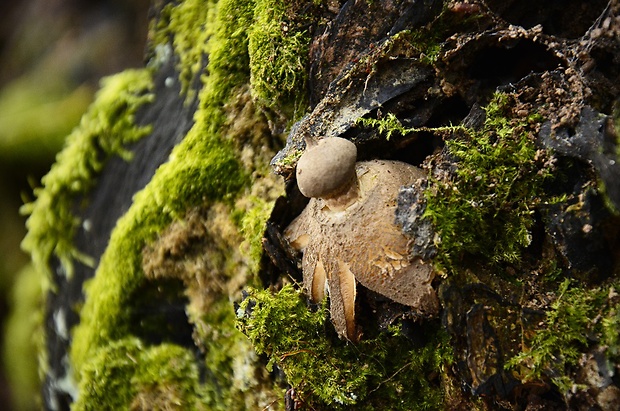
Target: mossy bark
[[163, 245]]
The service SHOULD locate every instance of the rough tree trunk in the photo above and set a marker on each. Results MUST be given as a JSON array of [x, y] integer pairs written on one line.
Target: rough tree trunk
[[160, 227]]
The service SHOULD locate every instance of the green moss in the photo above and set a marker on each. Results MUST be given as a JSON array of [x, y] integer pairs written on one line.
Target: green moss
[[329, 373], [249, 132], [387, 126], [575, 321], [199, 171], [107, 378], [126, 374], [104, 131], [236, 378], [228, 60], [390, 125], [486, 207], [202, 169], [423, 44], [610, 329], [278, 50], [185, 25], [268, 40], [278, 45], [252, 221], [23, 338], [203, 251], [167, 379]]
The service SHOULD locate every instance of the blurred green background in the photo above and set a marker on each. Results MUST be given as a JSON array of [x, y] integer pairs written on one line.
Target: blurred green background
[[52, 55]]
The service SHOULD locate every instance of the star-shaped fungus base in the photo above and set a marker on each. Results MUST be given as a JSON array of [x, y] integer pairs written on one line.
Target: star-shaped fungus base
[[362, 243]]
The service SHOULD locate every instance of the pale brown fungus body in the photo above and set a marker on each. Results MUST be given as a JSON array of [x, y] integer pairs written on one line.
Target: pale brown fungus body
[[350, 235], [327, 170]]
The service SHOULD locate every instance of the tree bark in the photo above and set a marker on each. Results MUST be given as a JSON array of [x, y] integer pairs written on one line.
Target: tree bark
[[181, 290]]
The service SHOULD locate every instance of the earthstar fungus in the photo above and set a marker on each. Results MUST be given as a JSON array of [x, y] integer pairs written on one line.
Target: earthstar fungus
[[347, 232]]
